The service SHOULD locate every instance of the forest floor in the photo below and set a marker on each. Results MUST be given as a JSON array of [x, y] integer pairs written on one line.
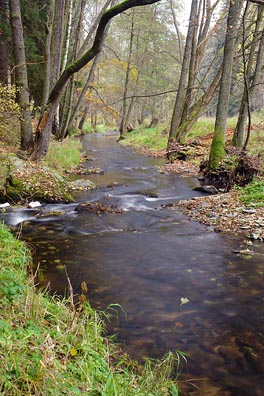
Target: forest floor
[[224, 212]]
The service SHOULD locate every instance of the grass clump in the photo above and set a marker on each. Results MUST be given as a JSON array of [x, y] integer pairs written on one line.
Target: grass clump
[[48, 348], [150, 138], [253, 194], [64, 155]]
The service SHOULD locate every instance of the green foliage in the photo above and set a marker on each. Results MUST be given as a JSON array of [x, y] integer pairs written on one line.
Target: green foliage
[[253, 194], [151, 138], [64, 155], [46, 347]]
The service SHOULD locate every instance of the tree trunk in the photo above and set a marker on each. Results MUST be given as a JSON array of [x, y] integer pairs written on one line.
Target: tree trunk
[[123, 121], [21, 74], [66, 108], [45, 122], [68, 34], [181, 94], [197, 108], [176, 25], [3, 43], [47, 56], [201, 21], [84, 90], [217, 151], [239, 133], [82, 120]]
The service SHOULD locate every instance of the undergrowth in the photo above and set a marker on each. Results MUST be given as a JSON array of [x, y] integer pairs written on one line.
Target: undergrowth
[[253, 194], [49, 348], [150, 138], [64, 155]]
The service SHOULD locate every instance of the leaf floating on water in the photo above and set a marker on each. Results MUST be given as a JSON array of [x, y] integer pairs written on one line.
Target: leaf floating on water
[[84, 287], [184, 300], [178, 324]]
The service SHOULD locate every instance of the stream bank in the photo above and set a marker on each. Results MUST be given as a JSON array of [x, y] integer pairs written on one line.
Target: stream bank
[[181, 286], [48, 347]]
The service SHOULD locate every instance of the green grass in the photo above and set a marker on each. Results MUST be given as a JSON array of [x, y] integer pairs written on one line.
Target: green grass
[[205, 125], [87, 128], [64, 155], [253, 194], [150, 138], [47, 348]]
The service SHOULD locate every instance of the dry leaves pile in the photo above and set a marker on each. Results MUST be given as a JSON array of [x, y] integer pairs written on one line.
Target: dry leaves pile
[[225, 213]]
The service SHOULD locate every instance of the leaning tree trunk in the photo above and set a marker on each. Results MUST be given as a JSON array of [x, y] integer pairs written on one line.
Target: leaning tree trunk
[[84, 90], [82, 120], [21, 74], [217, 151], [3, 43], [44, 126]]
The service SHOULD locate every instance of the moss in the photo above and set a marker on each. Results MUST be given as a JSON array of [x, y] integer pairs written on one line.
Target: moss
[[37, 184], [217, 152]]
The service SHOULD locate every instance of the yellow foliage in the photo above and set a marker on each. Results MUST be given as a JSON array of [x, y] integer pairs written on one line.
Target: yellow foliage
[[8, 105], [9, 113], [121, 65], [100, 105]]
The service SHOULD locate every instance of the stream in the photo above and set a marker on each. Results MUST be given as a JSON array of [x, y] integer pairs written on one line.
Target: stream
[[177, 284]]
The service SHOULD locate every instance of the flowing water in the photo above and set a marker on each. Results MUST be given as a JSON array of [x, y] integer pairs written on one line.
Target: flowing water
[[180, 285]]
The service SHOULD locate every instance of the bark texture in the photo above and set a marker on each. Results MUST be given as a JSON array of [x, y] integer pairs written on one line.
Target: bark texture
[[21, 74], [217, 152], [181, 94], [3, 43], [250, 77]]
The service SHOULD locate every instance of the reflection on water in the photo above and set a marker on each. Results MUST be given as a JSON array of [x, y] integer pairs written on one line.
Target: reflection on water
[[146, 260]]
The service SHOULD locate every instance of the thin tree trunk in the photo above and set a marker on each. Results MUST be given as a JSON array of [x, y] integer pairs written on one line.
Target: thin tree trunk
[[49, 29], [56, 52], [68, 35], [199, 106], [176, 29], [68, 97], [84, 90], [238, 137], [89, 79], [21, 74], [200, 37], [82, 120], [181, 94], [3, 43], [123, 126], [217, 152]]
